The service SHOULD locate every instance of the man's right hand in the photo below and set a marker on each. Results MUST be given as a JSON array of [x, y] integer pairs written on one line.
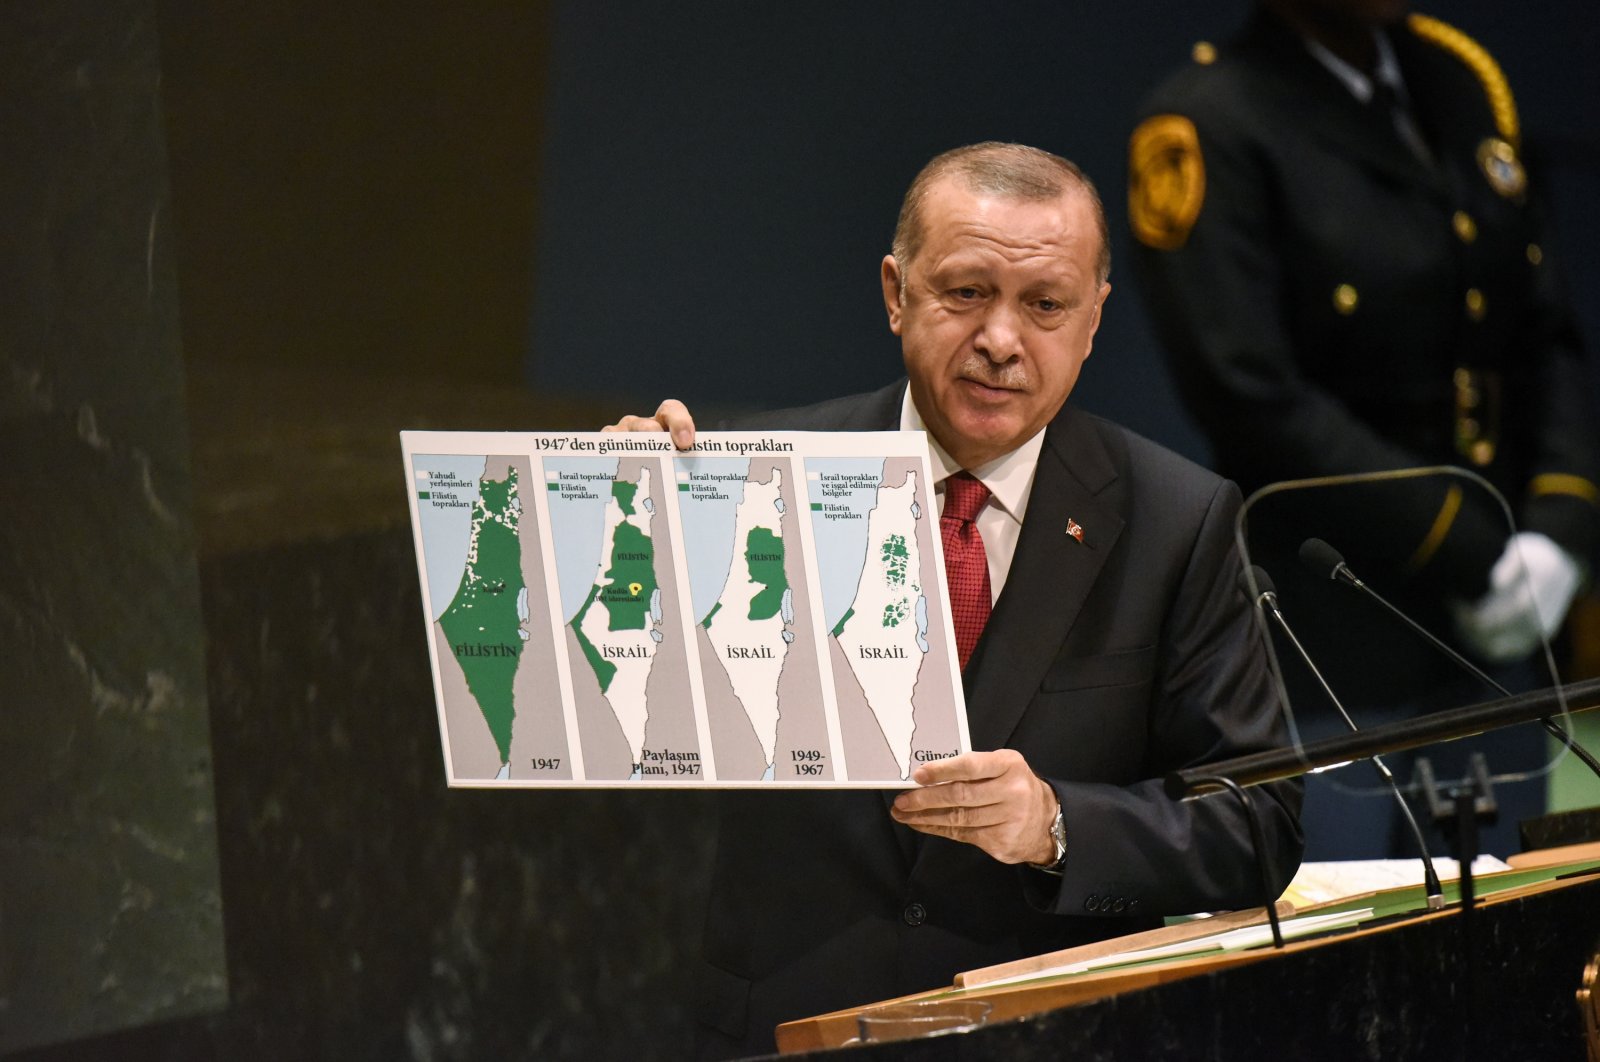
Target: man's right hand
[[670, 415]]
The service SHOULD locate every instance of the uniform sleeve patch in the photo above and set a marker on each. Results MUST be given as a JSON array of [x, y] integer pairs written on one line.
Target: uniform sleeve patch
[[1166, 181]]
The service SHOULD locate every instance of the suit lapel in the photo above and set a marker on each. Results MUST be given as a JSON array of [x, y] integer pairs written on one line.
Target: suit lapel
[[1051, 576]]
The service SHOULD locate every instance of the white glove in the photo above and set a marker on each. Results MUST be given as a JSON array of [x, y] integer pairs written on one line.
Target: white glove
[[1530, 589]]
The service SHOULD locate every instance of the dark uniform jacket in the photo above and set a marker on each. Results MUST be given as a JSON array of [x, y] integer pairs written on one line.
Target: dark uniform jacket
[[1334, 303], [1106, 663]]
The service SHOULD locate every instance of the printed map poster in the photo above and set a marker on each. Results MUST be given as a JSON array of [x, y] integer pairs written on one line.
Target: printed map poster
[[762, 611]]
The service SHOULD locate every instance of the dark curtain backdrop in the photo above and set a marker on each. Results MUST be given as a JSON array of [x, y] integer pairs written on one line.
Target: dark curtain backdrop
[[721, 179]]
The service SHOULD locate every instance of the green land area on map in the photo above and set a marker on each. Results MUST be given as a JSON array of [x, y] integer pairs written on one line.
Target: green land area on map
[[896, 557], [482, 623], [763, 555], [628, 586]]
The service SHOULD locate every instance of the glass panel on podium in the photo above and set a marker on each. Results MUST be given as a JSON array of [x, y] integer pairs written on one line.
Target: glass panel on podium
[[1428, 541]]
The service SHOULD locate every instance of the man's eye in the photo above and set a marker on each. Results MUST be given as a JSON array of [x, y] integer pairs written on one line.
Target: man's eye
[[964, 293], [1048, 305]]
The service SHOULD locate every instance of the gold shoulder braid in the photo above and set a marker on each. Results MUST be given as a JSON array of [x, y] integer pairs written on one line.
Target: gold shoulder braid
[[1481, 63], [1497, 155]]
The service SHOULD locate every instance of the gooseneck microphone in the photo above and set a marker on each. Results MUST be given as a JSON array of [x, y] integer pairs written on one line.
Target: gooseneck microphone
[[1322, 559], [1267, 599]]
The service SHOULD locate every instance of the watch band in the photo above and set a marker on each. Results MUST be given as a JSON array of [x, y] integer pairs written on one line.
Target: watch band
[[1058, 834]]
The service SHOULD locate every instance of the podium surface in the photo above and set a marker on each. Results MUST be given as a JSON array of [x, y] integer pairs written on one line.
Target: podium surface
[[1497, 981]]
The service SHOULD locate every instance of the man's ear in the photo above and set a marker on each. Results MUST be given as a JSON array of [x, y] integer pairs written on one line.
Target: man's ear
[[1099, 305], [890, 275]]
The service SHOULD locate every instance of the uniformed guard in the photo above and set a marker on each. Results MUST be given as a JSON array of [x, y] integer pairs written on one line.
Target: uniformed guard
[[1339, 245]]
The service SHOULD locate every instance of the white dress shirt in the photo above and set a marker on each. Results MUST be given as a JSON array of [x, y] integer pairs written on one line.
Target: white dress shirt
[[1009, 479]]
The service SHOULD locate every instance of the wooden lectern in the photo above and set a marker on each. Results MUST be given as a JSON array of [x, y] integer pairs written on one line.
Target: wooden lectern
[[1498, 980]]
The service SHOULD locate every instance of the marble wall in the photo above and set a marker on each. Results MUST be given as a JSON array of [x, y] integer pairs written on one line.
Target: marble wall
[[374, 913], [109, 906]]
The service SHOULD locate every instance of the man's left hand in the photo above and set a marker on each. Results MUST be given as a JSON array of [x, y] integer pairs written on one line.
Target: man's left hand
[[989, 799]]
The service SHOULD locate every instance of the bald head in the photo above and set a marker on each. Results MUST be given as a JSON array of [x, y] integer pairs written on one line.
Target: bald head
[[1005, 171]]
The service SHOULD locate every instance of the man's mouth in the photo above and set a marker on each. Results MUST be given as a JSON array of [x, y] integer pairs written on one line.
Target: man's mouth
[[987, 388]]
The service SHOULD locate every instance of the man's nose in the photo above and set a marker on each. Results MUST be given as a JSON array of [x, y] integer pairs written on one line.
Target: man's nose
[[999, 335]]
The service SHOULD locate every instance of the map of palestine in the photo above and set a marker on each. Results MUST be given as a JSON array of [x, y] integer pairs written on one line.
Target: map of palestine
[[761, 611]]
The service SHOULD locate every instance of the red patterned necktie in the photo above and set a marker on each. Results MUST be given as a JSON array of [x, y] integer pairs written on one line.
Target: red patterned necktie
[[966, 566]]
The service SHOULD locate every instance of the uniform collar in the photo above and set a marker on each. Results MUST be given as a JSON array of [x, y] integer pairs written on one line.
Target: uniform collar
[[1360, 84]]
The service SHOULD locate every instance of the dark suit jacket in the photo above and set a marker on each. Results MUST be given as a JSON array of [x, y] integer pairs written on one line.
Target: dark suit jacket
[[1106, 663]]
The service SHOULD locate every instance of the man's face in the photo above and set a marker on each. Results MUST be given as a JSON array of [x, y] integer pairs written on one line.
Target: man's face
[[999, 312]]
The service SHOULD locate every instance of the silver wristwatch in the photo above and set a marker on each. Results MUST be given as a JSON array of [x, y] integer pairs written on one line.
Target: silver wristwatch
[[1058, 834]]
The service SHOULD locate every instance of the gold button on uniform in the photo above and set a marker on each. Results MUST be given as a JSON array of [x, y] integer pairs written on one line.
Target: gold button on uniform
[[1535, 253], [1204, 53], [1345, 299], [1476, 305], [1466, 228]]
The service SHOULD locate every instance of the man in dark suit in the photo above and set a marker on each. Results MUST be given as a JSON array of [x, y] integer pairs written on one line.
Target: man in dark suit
[[1118, 648]]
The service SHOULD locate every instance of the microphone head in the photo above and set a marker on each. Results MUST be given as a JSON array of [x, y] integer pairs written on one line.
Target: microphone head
[[1262, 586], [1321, 558]]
